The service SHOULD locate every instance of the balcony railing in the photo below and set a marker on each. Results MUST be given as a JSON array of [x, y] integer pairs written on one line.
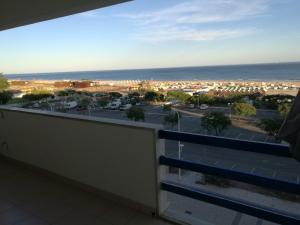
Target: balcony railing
[[128, 160], [238, 205]]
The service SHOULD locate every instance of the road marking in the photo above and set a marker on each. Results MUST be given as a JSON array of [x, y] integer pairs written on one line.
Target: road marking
[[238, 135], [252, 171]]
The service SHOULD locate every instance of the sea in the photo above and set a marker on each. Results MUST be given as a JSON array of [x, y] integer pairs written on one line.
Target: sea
[[256, 72]]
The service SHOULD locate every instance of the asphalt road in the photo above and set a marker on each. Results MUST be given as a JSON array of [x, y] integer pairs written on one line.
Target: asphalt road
[[254, 163]]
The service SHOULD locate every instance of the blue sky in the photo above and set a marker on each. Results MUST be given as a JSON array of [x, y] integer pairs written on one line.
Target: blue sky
[[157, 33]]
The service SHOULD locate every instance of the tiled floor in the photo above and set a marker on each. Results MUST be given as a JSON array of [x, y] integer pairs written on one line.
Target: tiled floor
[[28, 198]]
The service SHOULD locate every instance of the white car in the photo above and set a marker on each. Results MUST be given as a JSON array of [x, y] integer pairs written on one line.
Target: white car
[[70, 105], [191, 106], [203, 106], [125, 107]]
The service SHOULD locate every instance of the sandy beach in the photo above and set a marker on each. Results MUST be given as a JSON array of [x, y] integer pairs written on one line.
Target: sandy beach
[[230, 86]]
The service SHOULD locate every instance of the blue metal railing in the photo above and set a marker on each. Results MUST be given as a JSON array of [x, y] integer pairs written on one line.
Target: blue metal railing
[[248, 178], [224, 201], [265, 213], [259, 147]]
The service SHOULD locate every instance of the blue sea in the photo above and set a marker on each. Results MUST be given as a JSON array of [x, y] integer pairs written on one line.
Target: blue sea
[[275, 71]]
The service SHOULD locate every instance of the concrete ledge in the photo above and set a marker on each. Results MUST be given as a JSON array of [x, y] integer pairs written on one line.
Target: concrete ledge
[[82, 118]]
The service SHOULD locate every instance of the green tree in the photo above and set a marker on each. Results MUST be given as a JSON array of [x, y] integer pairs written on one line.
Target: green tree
[[272, 125], [115, 94], [167, 108], [134, 95], [273, 101], [204, 99], [172, 118], [284, 109], [63, 93], [136, 114], [37, 95], [102, 102], [215, 121], [243, 109], [178, 95], [3, 83], [152, 96], [5, 96]]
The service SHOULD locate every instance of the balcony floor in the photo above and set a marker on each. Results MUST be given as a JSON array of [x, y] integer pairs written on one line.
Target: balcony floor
[[29, 198]]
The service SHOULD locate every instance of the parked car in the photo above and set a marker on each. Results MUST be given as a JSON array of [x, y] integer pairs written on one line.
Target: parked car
[[81, 107], [203, 106], [125, 107], [191, 106], [70, 105], [114, 105]]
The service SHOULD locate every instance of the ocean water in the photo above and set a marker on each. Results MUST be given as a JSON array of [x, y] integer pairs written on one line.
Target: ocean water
[[278, 71]]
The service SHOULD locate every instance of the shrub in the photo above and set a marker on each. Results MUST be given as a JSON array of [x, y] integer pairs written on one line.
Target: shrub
[[271, 126], [37, 95], [167, 108], [215, 121], [284, 109], [3, 83], [136, 114], [152, 96], [115, 94], [179, 95], [172, 118], [243, 109], [5, 97]]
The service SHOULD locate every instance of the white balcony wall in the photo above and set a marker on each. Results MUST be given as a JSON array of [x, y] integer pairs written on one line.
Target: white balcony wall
[[113, 156]]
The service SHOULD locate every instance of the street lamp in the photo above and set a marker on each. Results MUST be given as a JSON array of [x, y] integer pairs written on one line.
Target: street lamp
[[180, 146], [89, 110], [51, 107], [229, 105]]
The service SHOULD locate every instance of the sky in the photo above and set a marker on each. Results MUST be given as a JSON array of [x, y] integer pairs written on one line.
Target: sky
[[157, 33]]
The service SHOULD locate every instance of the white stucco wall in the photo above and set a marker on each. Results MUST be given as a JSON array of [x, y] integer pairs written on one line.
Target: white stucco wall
[[111, 155]]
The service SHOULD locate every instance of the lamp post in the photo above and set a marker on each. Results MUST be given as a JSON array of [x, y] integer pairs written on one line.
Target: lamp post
[[229, 105], [180, 146], [51, 107], [89, 110]]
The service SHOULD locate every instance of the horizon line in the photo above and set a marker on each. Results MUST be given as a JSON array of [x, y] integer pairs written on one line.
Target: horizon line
[[153, 68]]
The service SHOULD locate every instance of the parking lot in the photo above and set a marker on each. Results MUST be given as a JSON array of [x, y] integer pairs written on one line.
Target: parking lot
[[190, 122]]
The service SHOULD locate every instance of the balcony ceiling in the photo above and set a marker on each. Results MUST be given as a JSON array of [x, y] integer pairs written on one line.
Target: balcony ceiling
[[14, 13]]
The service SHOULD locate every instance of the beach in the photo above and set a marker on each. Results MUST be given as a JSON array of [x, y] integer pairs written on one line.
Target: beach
[[204, 86]]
